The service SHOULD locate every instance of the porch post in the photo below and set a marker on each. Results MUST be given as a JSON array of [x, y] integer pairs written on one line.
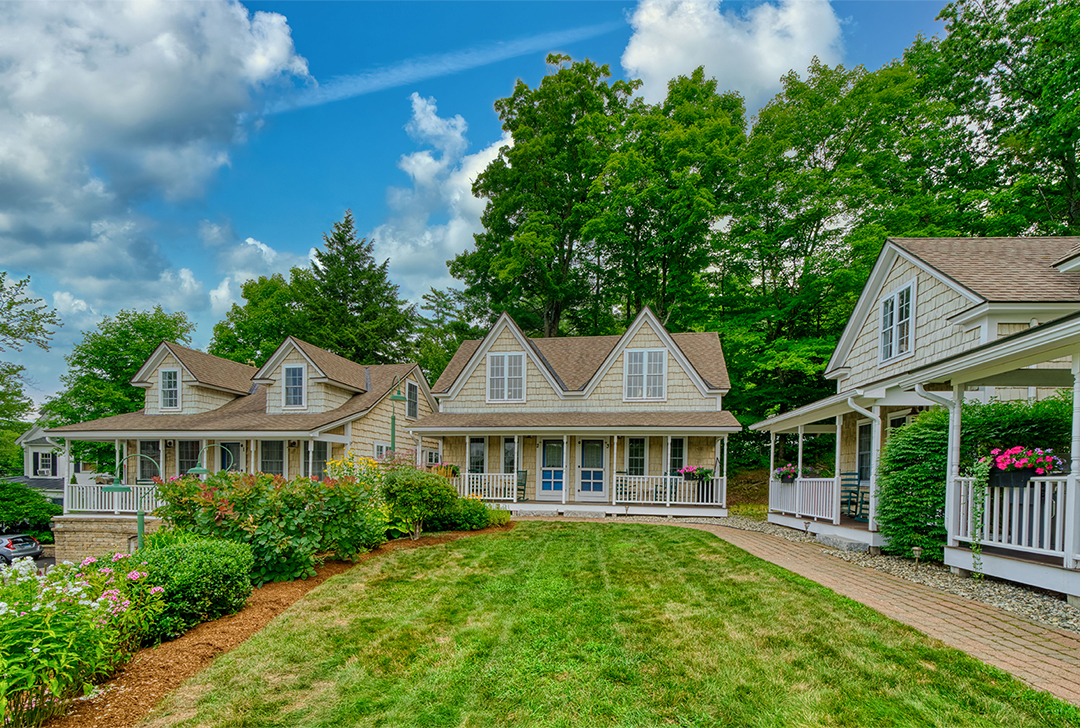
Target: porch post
[[311, 456], [161, 458], [517, 467], [116, 468], [667, 469], [875, 450], [566, 468], [723, 489], [952, 510], [67, 473], [1072, 512], [836, 472], [798, 474], [614, 464], [772, 453]]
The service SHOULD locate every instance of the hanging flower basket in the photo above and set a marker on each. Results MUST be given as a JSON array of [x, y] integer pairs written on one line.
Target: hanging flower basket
[[1013, 468], [787, 478], [1010, 478]]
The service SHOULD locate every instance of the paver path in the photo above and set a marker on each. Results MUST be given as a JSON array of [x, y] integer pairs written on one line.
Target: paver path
[[1044, 657]]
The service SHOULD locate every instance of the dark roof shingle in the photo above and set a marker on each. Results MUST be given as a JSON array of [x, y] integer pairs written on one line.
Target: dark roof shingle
[[214, 371]]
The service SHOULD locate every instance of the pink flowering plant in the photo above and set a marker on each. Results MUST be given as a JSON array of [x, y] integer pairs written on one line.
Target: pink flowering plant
[[788, 470], [1043, 462], [63, 630]]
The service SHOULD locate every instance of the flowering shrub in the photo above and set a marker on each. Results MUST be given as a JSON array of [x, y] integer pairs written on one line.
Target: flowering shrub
[[696, 472], [286, 522], [788, 470], [1043, 462], [61, 631]]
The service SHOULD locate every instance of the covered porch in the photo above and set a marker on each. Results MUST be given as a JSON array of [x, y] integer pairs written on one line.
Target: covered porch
[[1027, 533], [602, 470]]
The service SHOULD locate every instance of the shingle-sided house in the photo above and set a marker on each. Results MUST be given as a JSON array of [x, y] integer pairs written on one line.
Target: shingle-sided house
[[302, 408], [594, 423], [926, 300]]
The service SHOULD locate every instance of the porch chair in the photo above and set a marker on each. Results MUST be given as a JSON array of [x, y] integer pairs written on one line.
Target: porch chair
[[854, 501], [522, 479]]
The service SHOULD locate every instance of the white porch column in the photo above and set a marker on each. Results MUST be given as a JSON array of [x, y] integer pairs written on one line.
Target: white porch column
[[952, 510], [836, 472], [875, 450], [772, 453], [161, 458], [311, 456], [614, 464], [517, 465], [798, 474], [667, 469], [1072, 503], [566, 469], [67, 474]]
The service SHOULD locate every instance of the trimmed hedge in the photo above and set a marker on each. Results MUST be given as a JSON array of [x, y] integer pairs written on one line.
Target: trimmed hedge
[[203, 579], [463, 514], [911, 483]]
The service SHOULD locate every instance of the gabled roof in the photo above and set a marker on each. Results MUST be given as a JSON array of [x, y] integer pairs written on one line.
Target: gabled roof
[[573, 361], [1002, 269], [206, 369], [248, 413], [337, 369]]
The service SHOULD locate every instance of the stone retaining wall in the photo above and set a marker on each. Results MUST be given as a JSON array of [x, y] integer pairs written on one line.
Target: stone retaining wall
[[80, 536]]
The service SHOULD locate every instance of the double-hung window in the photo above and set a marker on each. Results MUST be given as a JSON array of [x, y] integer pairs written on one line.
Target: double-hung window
[[293, 393], [677, 455], [635, 455], [506, 377], [272, 457], [896, 316], [315, 460], [187, 455], [412, 394], [170, 389], [382, 449], [645, 374]]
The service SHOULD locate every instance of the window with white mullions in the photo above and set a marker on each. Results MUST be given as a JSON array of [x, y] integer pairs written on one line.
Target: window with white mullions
[[635, 456], [509, 454], [272, 457], [506, 377], [187, 455], [412, 394], [170, 389], [896, 315], [477, 454], [645, 374], [149, 468], [318, 462], [294, 386], [677, 456]]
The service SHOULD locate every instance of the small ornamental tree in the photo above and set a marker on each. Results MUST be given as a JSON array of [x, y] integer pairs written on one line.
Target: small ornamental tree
[[22, 508], [416, 496]]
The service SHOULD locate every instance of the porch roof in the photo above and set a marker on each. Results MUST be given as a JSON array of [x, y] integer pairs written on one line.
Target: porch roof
[[606, 422]]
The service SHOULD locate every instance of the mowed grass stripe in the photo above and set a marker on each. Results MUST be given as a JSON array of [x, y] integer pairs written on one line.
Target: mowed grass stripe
[[567, 624]]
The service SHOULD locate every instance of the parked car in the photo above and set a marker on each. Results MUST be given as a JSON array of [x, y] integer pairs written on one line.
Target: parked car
[[18, 545]]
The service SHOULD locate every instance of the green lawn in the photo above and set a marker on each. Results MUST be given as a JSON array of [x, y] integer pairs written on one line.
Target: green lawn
[[568, 624]]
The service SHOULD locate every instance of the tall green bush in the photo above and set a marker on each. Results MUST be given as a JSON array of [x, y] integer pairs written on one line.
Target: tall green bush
[[24, 509], [912, 473], [415, 496]]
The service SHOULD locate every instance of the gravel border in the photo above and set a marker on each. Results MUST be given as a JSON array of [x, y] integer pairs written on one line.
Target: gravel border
[[1038, 605]]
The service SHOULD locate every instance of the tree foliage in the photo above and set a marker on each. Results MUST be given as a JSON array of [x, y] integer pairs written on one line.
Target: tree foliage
[[23, 508], [23, 321], [272, 311]]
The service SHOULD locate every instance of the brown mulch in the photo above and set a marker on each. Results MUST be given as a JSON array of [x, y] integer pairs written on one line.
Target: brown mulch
[[155, 672]]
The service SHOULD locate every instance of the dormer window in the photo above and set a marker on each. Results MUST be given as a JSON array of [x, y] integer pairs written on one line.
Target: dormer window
[[293, 392], [170, 389], [412, 405], [896, 319], [506, 377], [645, 374]]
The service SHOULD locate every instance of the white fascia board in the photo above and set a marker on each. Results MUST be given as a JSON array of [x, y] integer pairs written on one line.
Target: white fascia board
[[105, 435], [262, 376], [1069, 264], [1042, 344], [141, 377], [336, 383], [890, 252], [600, 430], [647, 315], [480, 355], [1047, 311]]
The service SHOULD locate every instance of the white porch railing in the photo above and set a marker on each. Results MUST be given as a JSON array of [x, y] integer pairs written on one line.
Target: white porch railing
[[670, 490], [813, 497], [90, 498], [1029, 519], [486, 486]]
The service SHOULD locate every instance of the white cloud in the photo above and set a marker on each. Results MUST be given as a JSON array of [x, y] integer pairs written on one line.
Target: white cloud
[[222, 297], [746, 51], [441, 187], [67, 305]]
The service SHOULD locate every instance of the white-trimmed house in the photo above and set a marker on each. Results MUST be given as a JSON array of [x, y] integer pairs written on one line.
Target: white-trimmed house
[[305, 406], [927, 300], [597, 424], [45, 462]]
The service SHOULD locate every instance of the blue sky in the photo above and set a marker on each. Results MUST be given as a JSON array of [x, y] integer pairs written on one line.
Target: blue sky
[[163, 152]]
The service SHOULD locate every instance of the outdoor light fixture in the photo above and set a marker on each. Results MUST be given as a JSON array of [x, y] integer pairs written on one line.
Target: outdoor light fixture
[[200, 470], [916, 551]]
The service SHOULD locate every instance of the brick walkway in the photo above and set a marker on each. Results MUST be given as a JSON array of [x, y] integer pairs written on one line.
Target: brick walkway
[[1044, 657]]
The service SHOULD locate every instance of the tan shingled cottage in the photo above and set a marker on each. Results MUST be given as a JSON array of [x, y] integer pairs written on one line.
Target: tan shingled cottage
[[593, 424]]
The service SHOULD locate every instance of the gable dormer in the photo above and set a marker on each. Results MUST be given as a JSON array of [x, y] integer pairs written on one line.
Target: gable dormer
[[303, 379], [183, 381]]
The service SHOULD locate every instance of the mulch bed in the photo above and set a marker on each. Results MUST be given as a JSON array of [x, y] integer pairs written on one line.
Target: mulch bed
[[154, 672]]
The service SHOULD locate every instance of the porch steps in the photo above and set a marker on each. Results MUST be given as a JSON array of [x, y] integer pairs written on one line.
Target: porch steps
[[841, 543]]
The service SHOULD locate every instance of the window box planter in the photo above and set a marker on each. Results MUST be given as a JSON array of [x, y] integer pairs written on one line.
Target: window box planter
[[787, 479], [1010, 478]]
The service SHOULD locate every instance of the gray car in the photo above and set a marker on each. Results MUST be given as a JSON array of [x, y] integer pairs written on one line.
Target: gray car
[[18, 545]]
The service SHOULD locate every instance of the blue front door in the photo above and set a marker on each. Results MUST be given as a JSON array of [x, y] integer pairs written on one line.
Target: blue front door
[[552, 469], [592, 468]]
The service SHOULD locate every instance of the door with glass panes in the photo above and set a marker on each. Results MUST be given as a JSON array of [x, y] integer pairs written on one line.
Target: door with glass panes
[[552, 471], [591, 480]]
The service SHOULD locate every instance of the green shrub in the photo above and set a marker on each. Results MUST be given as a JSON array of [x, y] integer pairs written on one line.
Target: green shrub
[[911, 481], [24, 509], [203, 579], [415, 496], [463, 514], [498, 516], [286, 522]]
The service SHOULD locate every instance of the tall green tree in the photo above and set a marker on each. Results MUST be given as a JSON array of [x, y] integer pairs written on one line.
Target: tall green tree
[[531, 258], [353, 309], [101, 366], [450, 320], [272, 310], [23, 321]]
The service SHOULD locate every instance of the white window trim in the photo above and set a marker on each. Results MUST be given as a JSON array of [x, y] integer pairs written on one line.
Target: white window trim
[[626, 453], [468, 451], [176, 457], [43, 471], [487, 376], [644, 374], [413, 385], [284, 456], [859, 424], [685, 453], [179, 390], [375, 449], [426, 456], [303, 388], [882, 362]]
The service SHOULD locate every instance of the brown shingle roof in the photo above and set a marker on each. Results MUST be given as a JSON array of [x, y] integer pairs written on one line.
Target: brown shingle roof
[[1002, 269], [336, 368], [247, 413], [496, 420], [575, 359], [213, 370]]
